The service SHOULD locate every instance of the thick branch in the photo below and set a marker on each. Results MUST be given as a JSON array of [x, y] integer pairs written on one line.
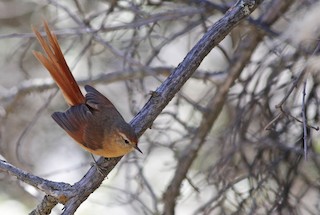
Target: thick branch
[[46, 206], [167, 90], [160, 98], [214, 107], [163, 95], [55, 189]]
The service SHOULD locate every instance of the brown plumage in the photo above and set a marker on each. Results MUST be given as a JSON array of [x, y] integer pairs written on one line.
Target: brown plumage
[[91, 120]]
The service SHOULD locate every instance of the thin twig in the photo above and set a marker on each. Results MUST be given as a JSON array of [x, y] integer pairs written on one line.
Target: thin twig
[[304, 119], [164, 94], [30, 125]]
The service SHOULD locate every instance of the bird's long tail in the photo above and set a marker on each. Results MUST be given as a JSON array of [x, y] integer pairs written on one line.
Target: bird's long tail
[[57, 66]]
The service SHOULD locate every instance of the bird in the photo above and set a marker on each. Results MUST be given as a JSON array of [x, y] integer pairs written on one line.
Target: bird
[[91, 120]]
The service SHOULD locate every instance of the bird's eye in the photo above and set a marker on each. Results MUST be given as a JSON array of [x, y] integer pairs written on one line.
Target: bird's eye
[[124, 138]]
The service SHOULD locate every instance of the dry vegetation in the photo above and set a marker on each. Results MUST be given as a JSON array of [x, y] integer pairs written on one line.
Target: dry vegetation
[[239, 136]]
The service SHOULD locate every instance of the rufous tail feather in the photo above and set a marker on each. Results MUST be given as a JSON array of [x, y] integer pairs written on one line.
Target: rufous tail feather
[[58, 68]]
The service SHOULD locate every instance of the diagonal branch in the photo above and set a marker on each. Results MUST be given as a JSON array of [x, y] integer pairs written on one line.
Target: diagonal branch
[[164, 94], [55, 189], [215, 105], [167, 90]]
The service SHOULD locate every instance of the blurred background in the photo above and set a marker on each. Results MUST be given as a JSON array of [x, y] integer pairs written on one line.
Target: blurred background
[[259, 156]]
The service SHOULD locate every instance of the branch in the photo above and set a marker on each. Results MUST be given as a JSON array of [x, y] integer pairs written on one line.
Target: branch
[[304, 119], [164, 94], [74, 195], [167, 90], [38, 85], [46, 206], [214, 107], [55, 189]]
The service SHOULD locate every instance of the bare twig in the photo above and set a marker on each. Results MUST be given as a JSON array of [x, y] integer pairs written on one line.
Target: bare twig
[[30, 125], [211, 156], [214, 107], [55, 189], [48, 202], [293, 86], [163, 95], [304, 119], [39, 85]]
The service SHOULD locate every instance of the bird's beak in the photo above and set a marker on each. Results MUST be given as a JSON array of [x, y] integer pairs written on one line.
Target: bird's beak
[[136, 147]]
